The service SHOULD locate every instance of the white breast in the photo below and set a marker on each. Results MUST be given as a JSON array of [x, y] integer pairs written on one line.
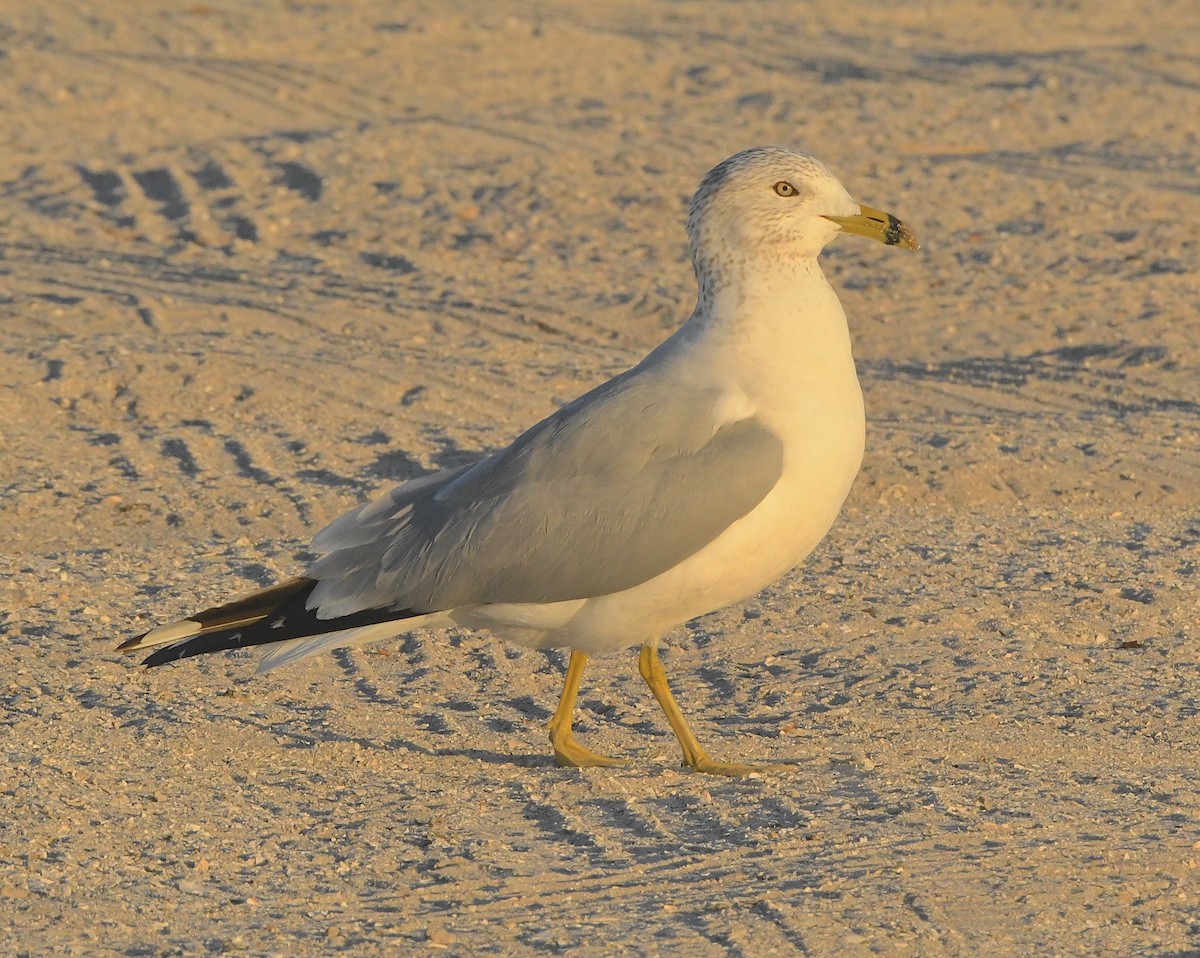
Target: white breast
[[790, 367]]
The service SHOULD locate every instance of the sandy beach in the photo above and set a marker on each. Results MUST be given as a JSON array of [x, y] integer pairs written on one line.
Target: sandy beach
[[261, 261]]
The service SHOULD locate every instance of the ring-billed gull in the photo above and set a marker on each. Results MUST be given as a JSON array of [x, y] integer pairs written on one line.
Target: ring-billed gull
[[685, 484]]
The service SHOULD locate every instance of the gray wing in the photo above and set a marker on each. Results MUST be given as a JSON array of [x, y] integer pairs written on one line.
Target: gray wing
[[613, 489]]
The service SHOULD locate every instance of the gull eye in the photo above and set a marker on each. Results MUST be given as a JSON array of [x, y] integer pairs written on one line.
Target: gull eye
[[784, 188]]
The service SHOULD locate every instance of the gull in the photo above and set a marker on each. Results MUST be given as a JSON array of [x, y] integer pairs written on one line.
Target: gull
[[687, 483]]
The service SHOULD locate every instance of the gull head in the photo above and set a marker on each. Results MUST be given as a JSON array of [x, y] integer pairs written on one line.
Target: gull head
[[770, 206]]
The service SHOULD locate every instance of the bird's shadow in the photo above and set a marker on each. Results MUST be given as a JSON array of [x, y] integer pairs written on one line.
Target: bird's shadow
[[493, 758], [296, 739]]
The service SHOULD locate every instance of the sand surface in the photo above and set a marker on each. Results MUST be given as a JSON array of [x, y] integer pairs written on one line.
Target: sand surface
[[261, 260]]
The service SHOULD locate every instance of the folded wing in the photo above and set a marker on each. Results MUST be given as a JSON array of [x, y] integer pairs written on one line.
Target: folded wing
[[610, 491]]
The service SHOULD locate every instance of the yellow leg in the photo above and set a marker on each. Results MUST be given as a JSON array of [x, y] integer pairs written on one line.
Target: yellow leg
[[694, 756], [567, 751]]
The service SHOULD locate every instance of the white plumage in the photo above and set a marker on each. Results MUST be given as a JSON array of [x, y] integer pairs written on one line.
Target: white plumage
[[687, 483]]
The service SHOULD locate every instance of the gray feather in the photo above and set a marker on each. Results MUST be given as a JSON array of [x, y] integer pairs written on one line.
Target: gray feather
[[613, 489]]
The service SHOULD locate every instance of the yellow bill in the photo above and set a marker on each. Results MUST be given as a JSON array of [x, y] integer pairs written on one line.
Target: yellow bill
[[878, 226]]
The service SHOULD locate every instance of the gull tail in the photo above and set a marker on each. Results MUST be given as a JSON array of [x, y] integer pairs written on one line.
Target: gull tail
[[278, 617]]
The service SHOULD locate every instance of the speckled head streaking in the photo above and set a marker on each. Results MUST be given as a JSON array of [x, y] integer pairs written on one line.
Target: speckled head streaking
[[770, 205]]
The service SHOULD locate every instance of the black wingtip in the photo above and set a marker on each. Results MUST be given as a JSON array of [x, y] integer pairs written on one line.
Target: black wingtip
[[214, 642], [131, 643], [161, 656], [291, 619]]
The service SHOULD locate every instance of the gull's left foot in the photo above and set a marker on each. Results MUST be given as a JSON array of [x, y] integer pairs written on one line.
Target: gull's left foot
[[570, 754]]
